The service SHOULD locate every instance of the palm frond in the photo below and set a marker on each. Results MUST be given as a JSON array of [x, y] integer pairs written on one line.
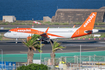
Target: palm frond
[[33, 42], [57, 46], [34, 48], [39, 50]]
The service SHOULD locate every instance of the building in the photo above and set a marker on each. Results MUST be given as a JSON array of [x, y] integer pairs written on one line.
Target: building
[[46, 19], [77, 15], [9, 18]]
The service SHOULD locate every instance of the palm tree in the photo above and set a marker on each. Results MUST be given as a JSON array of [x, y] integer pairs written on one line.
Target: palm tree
[[55, 46], [33, 44]]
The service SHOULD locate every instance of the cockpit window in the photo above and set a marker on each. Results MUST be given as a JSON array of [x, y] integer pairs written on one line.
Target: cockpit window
[[9, 31]]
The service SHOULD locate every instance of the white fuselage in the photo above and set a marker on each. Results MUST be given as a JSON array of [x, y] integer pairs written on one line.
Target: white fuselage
[[64, 32]]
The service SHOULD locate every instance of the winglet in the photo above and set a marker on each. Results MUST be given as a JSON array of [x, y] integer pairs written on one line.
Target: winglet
[[47, 30], [74, 26]]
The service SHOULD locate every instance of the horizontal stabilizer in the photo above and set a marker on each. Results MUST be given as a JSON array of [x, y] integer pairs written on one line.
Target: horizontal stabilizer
[[88, 31]]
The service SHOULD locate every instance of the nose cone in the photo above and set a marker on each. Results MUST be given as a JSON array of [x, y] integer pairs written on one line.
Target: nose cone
[[5, 35]]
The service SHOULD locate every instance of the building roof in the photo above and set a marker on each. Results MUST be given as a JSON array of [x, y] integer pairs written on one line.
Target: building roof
[[101, 9]]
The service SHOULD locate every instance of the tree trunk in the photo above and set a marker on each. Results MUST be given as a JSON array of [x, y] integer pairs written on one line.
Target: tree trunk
[[52, 58], [30, 56]]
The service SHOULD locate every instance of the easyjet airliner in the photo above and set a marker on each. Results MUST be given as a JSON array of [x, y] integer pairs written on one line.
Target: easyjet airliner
[[85, 29]]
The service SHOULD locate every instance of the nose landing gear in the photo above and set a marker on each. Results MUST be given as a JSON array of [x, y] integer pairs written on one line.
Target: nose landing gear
[[16, 40]]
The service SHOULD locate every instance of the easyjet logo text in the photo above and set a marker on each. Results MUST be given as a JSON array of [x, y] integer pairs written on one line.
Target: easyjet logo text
[[24, 30], [89, 20]]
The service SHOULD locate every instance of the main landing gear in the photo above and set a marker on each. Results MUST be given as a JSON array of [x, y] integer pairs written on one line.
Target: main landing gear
[[48, 41]]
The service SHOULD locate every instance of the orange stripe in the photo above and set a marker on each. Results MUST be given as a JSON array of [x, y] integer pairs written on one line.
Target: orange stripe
[[47, 30], [33, 31]]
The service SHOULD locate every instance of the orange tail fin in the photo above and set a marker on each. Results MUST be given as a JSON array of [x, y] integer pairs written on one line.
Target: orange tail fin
[[89, 22], [86, 27]]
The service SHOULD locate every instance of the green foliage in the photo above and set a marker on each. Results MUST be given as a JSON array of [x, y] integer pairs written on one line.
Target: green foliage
[[0, 37], [33, 42], [33, 67], [57, 46], [48, 22], [78, 23], [102, 35], [56, 23], [65, 23], [30, 22], [100, 23]]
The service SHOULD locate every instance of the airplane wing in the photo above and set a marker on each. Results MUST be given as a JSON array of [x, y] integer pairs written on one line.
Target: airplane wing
[[45, 35]]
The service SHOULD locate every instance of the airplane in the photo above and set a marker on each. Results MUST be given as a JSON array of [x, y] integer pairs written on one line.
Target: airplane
[[52, 33]]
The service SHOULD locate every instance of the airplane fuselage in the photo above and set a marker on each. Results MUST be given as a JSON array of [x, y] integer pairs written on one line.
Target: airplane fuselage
[[63, 32], [59, 32]]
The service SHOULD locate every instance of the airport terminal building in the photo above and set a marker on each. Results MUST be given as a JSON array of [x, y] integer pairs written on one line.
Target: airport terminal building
[[78, 15]]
